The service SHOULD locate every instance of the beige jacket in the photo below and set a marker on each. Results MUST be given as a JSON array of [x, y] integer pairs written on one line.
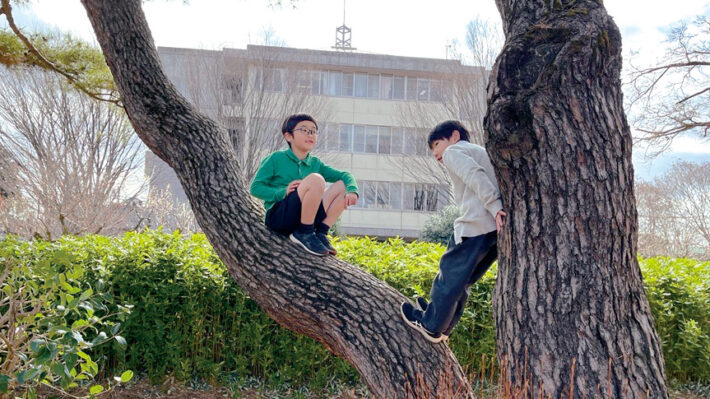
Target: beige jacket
[[476, 190]]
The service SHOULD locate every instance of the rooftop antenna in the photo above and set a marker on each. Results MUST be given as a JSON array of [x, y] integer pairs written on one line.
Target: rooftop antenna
[[343, 34]]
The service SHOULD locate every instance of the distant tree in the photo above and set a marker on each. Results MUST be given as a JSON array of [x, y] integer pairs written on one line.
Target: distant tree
[[672, 97], [674, 212], [440, 227], [461, 96], [71, 158]]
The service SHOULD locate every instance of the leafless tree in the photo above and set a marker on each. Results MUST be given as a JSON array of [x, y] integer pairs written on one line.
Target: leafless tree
[[671, 97], [661, 231], [161, 210], [462, 96], [674, 212], [73, 158]]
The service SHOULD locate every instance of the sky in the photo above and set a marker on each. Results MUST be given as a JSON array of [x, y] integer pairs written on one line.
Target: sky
[[416, 28]]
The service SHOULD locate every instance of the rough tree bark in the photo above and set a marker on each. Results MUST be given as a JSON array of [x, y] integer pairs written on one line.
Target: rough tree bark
[[346, 309], [571, 315]]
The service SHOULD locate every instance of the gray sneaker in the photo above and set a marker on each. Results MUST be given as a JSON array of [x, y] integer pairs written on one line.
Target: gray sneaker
[[309, 242]]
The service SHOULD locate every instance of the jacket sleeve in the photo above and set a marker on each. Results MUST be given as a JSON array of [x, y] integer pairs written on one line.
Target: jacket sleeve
[[261, 185], [474, 177], [332, 175]]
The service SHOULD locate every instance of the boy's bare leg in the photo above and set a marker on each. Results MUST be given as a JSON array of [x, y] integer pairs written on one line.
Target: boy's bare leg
[[334, 202], [310, 191]]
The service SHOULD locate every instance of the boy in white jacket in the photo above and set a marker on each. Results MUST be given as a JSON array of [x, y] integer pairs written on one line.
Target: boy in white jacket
[[473, 247]]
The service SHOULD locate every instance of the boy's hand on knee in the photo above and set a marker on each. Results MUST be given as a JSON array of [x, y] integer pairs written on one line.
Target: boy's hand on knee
[[292, 186], [350, 199]]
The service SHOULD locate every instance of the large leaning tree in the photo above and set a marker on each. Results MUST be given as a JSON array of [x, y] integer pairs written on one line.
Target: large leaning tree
[[570, 308]]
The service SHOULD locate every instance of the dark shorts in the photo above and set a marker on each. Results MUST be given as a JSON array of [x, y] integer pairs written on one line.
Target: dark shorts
[[285, 215]]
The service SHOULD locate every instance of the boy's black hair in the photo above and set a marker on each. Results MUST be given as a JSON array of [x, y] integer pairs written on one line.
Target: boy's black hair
[[291, 121], [444, 130]]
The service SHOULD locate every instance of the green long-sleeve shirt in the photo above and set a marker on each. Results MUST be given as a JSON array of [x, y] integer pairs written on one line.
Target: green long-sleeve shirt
[[280, 168]]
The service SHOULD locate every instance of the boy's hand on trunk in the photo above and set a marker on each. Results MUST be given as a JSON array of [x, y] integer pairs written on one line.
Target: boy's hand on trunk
[[499, 220]]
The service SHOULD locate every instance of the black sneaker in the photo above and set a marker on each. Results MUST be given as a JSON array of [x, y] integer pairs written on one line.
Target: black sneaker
[[309, 242], [326, 243], [422, 304], [407, 310]]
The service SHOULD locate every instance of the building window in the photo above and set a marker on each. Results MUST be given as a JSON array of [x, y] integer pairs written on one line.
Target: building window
[[386, 87], [396, 147], [444, 197], [384, 140], [362, 189], [370, 195], [332, 137], [396, 195], [272, 80], [303, 81], [383, 195], [410, 141], [408, 196], [346, 132], [360, 85], [347, 84], [373, 86], [411, 89], [315, 82], [333, 83], [432, 198], [359, 138], [232, 91], [435, 93], [371, 139], [423, 89], [398, 88]]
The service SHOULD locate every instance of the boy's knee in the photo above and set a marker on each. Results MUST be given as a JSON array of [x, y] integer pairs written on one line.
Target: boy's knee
[[339, 186], [315, 180]]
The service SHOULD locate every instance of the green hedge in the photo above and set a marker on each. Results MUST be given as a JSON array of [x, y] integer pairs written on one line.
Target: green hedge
[[191, 320]]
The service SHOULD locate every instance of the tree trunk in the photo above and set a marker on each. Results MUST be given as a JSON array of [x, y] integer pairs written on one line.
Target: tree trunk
[[346, 309], [571, 315]]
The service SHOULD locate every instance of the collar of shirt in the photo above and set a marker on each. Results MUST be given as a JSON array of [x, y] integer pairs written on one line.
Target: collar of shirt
[[306, 161]]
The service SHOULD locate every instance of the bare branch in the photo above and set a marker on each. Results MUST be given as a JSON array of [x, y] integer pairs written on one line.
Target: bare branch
[[671, 98]]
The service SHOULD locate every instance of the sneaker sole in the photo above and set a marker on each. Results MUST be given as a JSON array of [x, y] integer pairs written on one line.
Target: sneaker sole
[[416, 304], [420, 329], [295, 240]]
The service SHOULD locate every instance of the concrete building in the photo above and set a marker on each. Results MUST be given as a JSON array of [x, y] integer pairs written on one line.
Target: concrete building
[[373, 110]]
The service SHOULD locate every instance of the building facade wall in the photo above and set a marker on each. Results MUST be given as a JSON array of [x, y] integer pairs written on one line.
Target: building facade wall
[[364, 132]]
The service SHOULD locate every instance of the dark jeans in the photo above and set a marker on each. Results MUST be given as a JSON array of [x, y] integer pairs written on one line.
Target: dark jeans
[[459, 267]]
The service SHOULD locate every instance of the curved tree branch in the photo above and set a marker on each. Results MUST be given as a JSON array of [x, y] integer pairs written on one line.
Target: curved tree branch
[[346, 309]]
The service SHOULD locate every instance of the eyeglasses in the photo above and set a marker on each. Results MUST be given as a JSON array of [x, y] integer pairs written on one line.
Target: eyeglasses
[[310, 132]]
